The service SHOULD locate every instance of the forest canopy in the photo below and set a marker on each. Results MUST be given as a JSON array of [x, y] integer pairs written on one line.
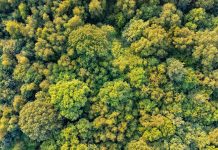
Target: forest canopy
[[109, 74]]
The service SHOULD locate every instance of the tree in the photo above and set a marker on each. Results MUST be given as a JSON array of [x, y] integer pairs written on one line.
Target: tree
[[196, 19], [137, 77], [70, 97], [96, 8], [206, 50], [176, 69], [5, 6], [177, 144], [123, 74], [64, 6], [148, 9], [90, 52], [149, 39], [23, 10], [18, 102], [83, 40], [206, 4], [50, 40], [127, 62], [183, 39], [28, 90], [76, 136], [182, 4], [9, 49], [48, 145], [113, 113], [74, 22], [134, 30], [8, 122], [156, 127], [39, 120], [170, 16], [123, 11], [7, 85], [14, 28], [213, 136], [138, 145]]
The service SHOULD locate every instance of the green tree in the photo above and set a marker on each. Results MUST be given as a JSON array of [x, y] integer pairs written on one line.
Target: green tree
[[148, 9], [70, 97], [123, 11], [76, 136], [206, 50], [196, 19], [176, 69], [137, 77], [206, 4], [23, 10], [113, 113], [156, 127], [183, 39], [134, 30], [39, 120], [138, 145], [170, 16], [182, 4], [123, 74], [96, 8], [8, 122], [83, 40], [14, 28]]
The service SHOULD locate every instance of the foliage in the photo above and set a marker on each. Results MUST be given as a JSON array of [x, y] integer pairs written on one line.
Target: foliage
[[108, 74], [69, 98], [38, 120]]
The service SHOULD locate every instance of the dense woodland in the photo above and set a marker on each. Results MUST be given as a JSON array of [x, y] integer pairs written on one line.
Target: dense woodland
[[109, 74]]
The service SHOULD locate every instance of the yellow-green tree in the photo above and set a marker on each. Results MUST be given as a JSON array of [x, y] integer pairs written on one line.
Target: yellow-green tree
[[39, 120], [70, 97]]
